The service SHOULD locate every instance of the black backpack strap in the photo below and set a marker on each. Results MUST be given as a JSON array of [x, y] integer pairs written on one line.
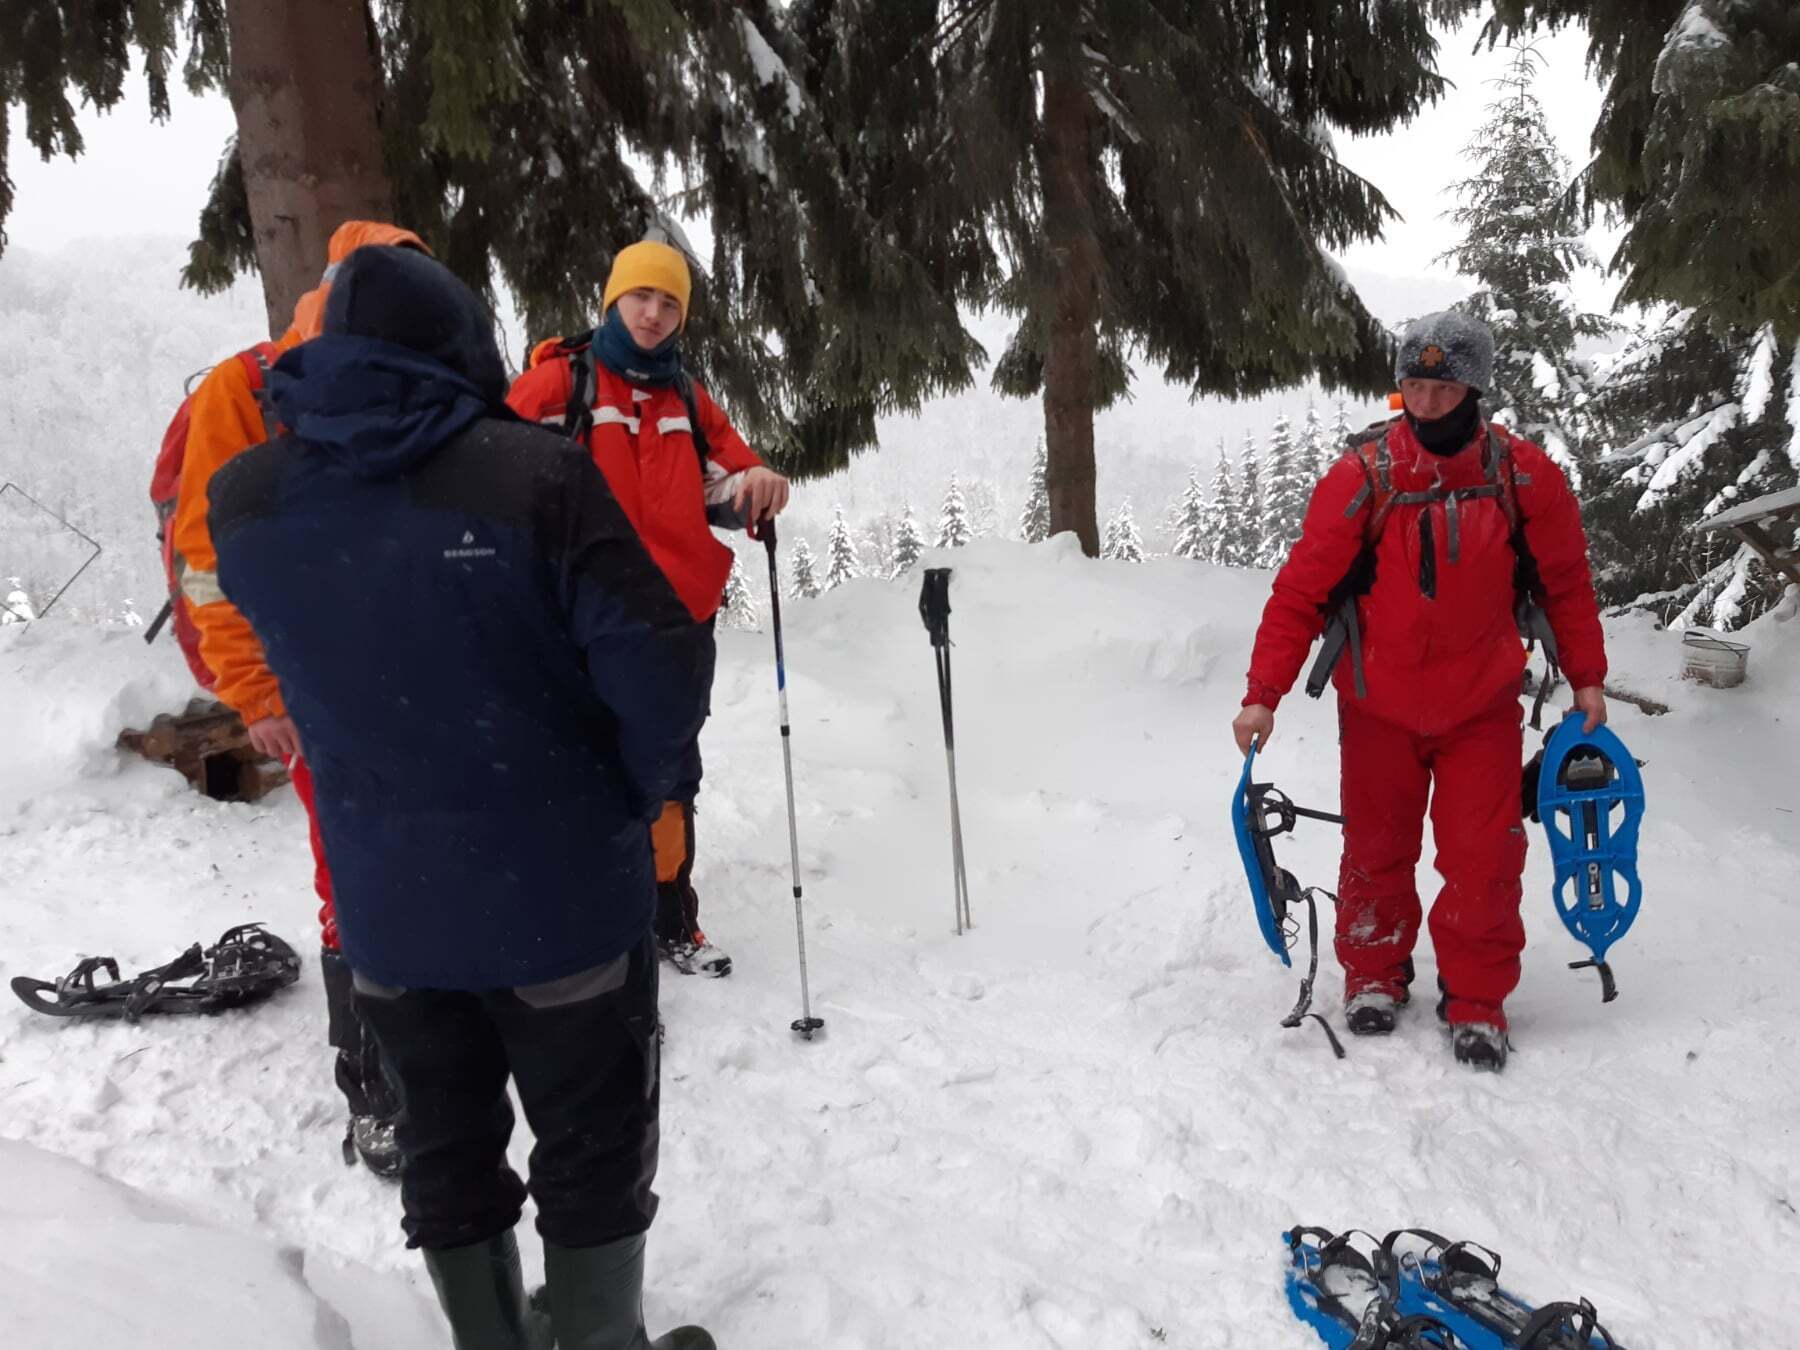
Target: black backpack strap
[[1533, 622], [578, 413], [684, 385]]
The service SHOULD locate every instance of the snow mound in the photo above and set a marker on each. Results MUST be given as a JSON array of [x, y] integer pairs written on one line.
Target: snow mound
[[86, 1260]]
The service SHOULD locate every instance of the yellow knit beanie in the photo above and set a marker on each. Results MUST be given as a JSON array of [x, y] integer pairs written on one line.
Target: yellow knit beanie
[[649, 263]]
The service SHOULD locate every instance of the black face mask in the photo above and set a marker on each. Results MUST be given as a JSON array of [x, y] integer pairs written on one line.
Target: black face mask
[[1447, 435]]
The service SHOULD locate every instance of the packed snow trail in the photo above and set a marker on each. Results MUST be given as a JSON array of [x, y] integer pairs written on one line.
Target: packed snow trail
[[1079, 1125]]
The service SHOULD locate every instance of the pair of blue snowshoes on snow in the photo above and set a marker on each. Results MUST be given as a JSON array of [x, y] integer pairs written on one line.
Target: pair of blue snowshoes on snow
[[1414, 1289], [1585, 788]]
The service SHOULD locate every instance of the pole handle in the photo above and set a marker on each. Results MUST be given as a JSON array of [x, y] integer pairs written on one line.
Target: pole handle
[[934, 605]]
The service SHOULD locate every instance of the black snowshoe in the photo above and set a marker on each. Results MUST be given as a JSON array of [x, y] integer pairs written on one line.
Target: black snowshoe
[[246, 965]]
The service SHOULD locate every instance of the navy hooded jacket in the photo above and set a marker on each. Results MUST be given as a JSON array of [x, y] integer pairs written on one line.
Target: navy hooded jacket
[[493, 683]]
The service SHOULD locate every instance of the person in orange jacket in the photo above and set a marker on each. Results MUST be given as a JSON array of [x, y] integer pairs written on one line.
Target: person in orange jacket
[[227, 418], [676, 464]]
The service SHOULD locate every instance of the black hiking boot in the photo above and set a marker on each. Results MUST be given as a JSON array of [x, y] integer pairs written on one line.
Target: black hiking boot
[[370, 1136], [1371, 1013], [1480, 1045]]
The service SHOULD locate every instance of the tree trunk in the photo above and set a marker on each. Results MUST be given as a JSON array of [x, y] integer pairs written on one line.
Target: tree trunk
[[1072, 354], [305, 85]]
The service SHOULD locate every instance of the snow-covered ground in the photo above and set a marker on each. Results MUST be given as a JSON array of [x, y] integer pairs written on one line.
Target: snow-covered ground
[[1078, 1126]]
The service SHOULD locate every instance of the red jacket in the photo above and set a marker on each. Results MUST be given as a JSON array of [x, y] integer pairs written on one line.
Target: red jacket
[[644, 445], [1432, 663]]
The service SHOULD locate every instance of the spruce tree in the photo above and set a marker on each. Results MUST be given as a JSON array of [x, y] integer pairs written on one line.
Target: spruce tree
[[803, 581], [1225, 509], [1123, 177], [1694, 422], [1522, 245], [953, 520], [739, 608], [1337, 440], [1694, 154], [842, 564], [1314, 454], [1123, 543], [1286, 485], [1247, 535], [1695, 149], [1192, 538], [527, 140], [1034, 520], [909, 545]]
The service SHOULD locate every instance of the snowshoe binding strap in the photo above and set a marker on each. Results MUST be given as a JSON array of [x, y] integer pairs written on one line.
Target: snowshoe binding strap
[[1260, 812], [245, 965], [1566, 1326], [1352, 1299], [1459, 1284]]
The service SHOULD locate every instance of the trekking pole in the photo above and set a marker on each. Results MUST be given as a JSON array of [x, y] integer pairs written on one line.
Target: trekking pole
[[806, 1024], [934, 608]]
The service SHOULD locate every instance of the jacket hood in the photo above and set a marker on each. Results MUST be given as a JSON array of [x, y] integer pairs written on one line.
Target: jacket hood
[[407, 360]]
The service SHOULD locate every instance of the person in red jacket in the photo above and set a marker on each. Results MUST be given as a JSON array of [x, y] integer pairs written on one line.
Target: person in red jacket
[[623, 389], [1443, 508]]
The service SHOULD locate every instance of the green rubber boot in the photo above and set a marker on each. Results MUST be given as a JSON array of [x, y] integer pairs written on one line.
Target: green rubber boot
[[597, 1300], [483, 1295]]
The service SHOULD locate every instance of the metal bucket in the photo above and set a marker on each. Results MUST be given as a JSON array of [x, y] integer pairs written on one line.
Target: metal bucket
[[1711, 659]]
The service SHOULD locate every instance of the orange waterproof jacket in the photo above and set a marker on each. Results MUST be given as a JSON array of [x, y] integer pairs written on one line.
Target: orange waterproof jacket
[[644, 444], [225, 420]]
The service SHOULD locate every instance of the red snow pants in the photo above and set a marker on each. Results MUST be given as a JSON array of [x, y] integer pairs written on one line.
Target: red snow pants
[[303, 789], [1471, 774]]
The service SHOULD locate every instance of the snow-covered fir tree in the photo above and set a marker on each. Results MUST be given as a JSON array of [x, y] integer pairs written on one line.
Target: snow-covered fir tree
[[953, 520], [1123, 543], [1695, 421], [909, 544], [1034, 519], [803, 581], [1222, 514], [1191, 538], [1522, 244], [841, 562], [1286, 484], [1337, 440], [981, 499], [1247, 529], [1313, 456], [1098, 194], [739, 608]]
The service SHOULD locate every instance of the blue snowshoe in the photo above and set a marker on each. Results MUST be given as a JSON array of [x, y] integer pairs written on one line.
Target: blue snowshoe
[[1458, 1283], [1590, 798], [1259, 812]]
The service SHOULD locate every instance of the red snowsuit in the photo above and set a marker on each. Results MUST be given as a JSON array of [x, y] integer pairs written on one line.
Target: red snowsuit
[[1442, 674]]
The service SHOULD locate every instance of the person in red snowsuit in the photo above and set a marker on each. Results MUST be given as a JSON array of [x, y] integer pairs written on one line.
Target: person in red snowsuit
[[1428, 705]]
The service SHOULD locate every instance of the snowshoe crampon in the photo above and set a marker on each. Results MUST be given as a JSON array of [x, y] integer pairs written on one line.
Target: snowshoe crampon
[[1590, 798], [245, 965]]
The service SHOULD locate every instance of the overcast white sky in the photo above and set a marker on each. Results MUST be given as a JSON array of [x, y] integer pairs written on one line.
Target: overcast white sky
[[137, 178]]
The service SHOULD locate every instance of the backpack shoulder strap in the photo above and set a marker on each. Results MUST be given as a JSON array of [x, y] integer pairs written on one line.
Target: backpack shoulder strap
[[1503, 473], [684, 385], [257, 362], [1370, 449], [578, 412]]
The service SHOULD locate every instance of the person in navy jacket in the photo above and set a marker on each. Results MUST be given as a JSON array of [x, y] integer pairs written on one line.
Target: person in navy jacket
[[494, 685]]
